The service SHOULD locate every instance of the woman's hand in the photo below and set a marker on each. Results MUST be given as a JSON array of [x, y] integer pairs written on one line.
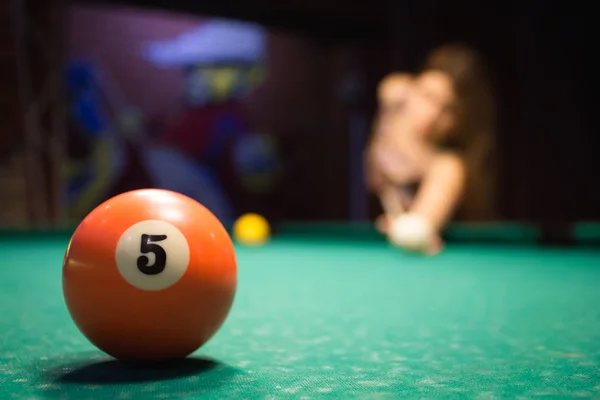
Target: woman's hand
[[433, 247]]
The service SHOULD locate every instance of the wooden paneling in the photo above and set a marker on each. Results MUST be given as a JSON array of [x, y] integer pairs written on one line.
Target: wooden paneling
[[31, 68], [13, 193], [13, 188], [11, 127]]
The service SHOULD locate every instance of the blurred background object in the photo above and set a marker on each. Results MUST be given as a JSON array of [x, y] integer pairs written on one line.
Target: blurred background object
[[266, 107]]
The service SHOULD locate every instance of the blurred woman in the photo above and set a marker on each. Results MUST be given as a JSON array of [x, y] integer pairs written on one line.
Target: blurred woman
[[430, 155]]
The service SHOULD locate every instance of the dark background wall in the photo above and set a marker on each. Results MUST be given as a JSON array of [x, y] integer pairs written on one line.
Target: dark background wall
[[540, 55]]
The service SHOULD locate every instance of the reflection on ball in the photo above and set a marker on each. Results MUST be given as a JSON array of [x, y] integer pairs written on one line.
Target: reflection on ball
[[149, 275], [251, 230]]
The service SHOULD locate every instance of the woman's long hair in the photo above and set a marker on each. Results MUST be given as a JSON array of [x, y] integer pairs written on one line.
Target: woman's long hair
[[474, 132]]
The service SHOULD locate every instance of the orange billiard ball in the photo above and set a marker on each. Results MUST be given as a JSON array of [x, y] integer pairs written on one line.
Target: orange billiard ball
[[149, 275]]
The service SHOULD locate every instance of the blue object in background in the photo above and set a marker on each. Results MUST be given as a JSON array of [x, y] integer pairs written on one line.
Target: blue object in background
[[215, 41], [90, 180], [84, 102], [225, 131]]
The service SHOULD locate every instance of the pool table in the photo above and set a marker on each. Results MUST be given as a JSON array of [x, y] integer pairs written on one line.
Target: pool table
[[333, 313]]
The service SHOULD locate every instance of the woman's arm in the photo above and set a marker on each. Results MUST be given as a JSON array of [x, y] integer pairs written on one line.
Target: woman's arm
[[440, 191], [391, 93], [373, 177]]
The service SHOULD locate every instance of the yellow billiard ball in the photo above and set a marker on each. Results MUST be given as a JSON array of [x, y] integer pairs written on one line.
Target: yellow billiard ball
[[251, 230]]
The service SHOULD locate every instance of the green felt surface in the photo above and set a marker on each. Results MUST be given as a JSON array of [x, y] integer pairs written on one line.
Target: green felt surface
[[327, 318]]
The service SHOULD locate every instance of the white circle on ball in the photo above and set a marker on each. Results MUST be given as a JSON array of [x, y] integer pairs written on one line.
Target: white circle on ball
[[152, 255]]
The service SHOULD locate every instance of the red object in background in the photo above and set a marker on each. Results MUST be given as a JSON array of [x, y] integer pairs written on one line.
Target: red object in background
[[149, 275], [200, 128]]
